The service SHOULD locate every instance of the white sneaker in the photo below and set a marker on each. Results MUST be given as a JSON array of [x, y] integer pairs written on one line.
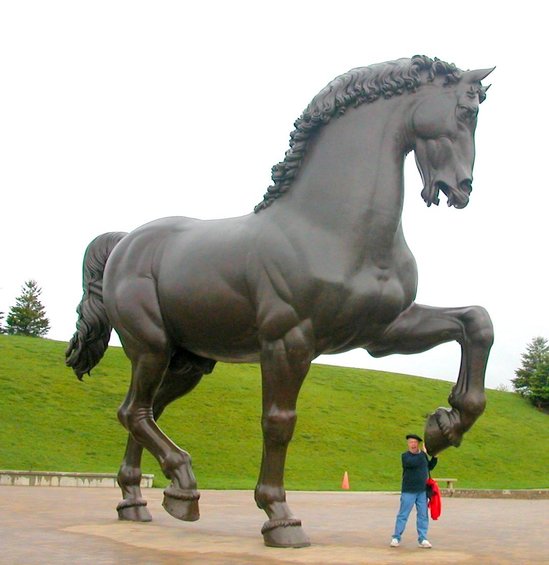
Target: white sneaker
[[425, 544], [394, 543]]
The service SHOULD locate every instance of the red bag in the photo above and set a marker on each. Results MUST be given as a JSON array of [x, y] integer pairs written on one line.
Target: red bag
[[434, 499]]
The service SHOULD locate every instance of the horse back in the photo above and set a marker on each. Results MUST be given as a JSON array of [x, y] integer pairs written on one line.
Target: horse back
[[198, 273]]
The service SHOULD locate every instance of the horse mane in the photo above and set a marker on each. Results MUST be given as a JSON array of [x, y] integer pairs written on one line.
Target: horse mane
[[356, 87]]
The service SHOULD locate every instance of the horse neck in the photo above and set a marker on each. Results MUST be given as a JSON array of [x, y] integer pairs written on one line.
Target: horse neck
[[351, 179]]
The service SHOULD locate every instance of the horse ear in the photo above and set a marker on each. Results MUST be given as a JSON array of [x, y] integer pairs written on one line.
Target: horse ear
[[476, 76]]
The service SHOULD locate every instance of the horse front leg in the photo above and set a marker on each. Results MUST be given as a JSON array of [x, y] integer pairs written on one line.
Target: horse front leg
[[420, 328], [133, 506], [284, 364]]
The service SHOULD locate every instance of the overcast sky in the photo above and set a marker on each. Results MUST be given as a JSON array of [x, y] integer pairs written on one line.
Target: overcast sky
[[116, 113]]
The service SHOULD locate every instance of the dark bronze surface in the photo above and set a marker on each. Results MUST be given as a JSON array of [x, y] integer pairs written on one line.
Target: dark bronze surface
[[320, 266]]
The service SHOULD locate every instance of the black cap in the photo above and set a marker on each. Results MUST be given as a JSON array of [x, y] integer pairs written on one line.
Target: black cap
[[413, 436]]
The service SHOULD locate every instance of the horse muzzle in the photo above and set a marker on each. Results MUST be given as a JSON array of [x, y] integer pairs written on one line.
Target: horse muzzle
[[457, 196]]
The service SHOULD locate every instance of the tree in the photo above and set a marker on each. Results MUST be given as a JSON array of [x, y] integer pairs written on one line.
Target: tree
[[28, 316], [532, 379], [2, 329]]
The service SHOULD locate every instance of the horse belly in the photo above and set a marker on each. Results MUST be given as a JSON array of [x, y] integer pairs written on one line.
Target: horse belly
[[209, 317]]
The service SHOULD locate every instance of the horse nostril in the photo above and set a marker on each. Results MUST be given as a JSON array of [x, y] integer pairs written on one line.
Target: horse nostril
[[466, 185]]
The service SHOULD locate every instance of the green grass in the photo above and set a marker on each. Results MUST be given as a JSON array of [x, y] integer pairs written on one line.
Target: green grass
[[349, 420]]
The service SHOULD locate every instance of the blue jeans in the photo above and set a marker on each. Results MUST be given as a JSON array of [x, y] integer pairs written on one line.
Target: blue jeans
[[407, 501]]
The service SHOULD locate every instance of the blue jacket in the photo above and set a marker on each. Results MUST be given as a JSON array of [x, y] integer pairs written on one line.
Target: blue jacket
[[415, 471]]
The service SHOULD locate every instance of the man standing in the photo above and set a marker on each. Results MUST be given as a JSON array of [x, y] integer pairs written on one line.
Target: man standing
[[415, 472]]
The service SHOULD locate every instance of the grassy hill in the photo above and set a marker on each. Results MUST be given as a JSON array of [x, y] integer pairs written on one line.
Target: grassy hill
[[349, 420]]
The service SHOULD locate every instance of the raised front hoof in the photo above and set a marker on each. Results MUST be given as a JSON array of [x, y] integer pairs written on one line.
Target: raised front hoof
[[133, 510], [441, 431], [284, 533], [181, 504]]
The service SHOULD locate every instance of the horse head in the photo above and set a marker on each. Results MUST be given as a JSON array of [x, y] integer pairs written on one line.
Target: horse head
[[442, 128]]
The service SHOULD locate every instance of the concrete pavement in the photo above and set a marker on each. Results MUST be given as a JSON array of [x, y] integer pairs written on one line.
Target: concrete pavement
[[79, 525]]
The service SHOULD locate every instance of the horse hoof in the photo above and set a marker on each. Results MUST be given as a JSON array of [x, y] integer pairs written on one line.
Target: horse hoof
[[284, 533], [439, 432], [134, 510], [181, 504]]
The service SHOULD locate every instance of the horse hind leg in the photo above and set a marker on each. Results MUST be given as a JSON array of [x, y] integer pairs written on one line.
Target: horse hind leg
[[133, 506], [150, 355], [186, 370]]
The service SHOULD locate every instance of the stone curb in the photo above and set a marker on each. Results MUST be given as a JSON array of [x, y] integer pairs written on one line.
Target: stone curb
[[64, 479], [529, 494]]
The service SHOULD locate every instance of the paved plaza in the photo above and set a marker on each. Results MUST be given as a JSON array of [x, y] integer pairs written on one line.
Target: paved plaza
[[42, 525]]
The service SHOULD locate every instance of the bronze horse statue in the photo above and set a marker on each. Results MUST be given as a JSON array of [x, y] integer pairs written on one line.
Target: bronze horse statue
[[320, 266]]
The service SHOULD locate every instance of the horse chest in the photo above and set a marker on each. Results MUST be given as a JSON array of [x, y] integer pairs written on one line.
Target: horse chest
[[381, 295], [365, 304]]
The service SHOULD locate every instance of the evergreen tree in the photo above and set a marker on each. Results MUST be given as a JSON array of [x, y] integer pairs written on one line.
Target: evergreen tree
[[2, 329], [28, 316], [532, 379], [539, 385]]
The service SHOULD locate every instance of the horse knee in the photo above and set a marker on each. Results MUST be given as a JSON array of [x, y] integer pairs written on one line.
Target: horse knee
[[480, 327], [278, 425]]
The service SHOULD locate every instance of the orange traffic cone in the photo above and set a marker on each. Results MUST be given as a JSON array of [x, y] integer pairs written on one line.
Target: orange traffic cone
[[345, 482]]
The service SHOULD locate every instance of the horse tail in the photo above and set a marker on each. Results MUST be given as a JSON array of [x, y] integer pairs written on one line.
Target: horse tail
[[93, 329]]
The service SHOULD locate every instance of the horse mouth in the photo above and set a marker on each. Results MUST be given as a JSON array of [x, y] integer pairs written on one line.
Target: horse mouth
[[458, 197]]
